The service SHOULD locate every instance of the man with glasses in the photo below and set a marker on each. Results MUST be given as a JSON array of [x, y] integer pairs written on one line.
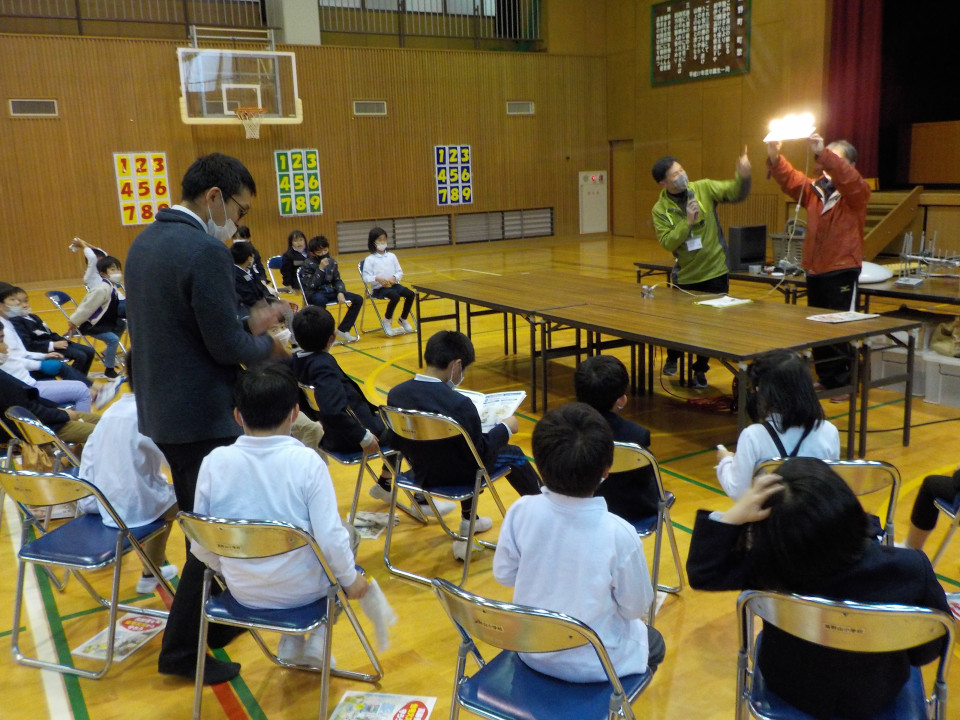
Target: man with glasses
[[182, 313]]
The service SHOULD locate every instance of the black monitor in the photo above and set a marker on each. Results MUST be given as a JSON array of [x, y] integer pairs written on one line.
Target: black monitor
[[748, 246]]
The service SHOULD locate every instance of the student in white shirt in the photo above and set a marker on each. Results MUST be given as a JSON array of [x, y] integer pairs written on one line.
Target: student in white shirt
[[563, 551], [268, 475], [788, 421], [126, 467], [381, 271]]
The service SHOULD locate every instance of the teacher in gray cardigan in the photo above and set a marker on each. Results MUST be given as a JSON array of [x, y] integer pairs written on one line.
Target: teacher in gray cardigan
[[181, 309]]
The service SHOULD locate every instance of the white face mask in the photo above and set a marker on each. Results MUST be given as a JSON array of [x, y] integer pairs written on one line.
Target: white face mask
[[224, 232], [12, 311], [381, 247], [3, 358], [454, 385], [116, 278]]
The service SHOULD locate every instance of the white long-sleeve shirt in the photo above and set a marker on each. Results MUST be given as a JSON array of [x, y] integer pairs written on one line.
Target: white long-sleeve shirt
[[20, 361], [275, 478], [571, 555], [126, 467], [755, 445], [376, 265]]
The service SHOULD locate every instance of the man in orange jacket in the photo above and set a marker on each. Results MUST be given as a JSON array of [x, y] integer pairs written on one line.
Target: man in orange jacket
[[836, 205]]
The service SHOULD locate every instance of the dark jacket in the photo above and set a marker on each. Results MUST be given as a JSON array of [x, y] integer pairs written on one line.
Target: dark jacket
[[249, 289], [35, 334], [313, 279], [631, 495], [290, 262], [182, 310], [15, 392]]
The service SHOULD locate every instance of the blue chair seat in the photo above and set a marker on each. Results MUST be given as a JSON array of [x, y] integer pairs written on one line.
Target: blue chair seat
[[350, 458], [225, 608], [647, 525], [910, 703], [83, 542], [408, 481], [507, 687]]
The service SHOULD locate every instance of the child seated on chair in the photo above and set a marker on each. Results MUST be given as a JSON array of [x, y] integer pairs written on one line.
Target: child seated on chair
[[602, 382], [381, 271], [268, 475], [449, 462], [293, 259], [321, 284], [563, 551], [101, 313], [242, 235], [38, 337], [250, 290], [923, 516], [803, 531], [126, 467], [788, 421]]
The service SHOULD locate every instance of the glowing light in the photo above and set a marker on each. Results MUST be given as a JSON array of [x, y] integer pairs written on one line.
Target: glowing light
[[791, 127]]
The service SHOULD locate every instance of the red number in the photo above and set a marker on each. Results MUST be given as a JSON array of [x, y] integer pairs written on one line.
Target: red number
[[126, 189], [162, 205], [143, 188], [160, 189], [129, 213], [158, 163], [141, 164], [123, 166], [146, 211]]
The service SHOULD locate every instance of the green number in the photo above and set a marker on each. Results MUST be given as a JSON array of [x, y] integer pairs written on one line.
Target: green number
[[281, 162], [301, 203], [442, 175], [311, 160], [299, 183], [464, 153], [454, 194], [315, 203], [284, 183], [313, 182], [296, 161], [286, 206]]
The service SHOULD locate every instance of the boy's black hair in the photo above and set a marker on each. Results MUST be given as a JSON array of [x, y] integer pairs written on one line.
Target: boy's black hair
[[241, 251], [294, 235], [446, 346], [662, 166], [6, 290], [312, 328], [266, 395], [243, 232], [816, 529], [216, 170], [573, 447], [17, 290], [106, 262], [599, 382], [317, 243], [780, 383], [375, 234]]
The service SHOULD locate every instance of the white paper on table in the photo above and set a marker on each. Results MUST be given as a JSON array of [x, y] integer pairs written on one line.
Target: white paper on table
[[725, 301], [842, 317]]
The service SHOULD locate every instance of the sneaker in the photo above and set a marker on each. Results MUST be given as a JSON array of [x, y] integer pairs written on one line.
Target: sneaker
[[407, 327], [389, 330], [670, 367], [313, 649], [699, 380], [107, 392], [481, 525], [290, 649], [345, 337], [840, 398], [379, 492], [460, 549], [110, 372], [444, 507], [147, 583]]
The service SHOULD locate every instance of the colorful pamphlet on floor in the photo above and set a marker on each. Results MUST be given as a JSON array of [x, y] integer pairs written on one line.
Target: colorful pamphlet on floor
[[495, 407], [380, 706], [953, 600], [133, 632]]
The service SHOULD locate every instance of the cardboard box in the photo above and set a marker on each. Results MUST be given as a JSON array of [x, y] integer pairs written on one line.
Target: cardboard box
[[893, 361], [943, 379]]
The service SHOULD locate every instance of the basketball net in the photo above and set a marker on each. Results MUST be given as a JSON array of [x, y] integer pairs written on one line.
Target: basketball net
[[251, 118]]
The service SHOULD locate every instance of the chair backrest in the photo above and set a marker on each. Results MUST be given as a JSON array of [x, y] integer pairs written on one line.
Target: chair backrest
[[274, 263], [846, 625], [367, 291], [630, 456], [243, 539], [59, 298], [417, 426], [35, 432], [43, 489], [309, 392]]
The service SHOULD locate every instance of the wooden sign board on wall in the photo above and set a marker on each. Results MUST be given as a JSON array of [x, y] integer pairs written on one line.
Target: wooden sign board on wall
[[698, 40]]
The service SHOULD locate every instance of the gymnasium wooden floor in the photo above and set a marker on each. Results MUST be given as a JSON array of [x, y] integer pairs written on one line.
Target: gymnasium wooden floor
[[696, 680]]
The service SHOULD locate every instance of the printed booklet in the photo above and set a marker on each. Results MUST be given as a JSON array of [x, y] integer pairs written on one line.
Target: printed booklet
[[495, 407]]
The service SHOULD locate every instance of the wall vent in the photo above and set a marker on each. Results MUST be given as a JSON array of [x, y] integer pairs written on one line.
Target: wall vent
[[369, 107], [34, 108], [524, 107]]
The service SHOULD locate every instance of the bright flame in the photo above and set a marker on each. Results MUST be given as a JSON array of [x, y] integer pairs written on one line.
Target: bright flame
[[791, 127]]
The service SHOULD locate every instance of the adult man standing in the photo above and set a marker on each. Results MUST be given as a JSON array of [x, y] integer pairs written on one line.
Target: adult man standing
[[182, 311], [836, 205], [685, 219]]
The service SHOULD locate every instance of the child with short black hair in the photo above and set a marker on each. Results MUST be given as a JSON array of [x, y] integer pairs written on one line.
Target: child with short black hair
[[563, 551], [101, 314], [602, 382], [268, 475], [321, 284], [381, 271], [242, 235]]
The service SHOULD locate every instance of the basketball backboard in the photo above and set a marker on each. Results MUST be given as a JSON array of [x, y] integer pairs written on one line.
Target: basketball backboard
[[214, 83]]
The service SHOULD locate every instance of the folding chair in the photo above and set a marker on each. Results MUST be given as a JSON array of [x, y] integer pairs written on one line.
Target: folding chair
[[371, 300], [40, 436], [361, 459], [250, 539], [841, 625], [416, 427], [507, 689], [306, 301], [952, 511], [628, 457], [10, 447], [81, 544], [60, 299], [864, 477], [275, 263]]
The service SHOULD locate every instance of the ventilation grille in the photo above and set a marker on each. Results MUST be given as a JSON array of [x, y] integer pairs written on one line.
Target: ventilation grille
[[370, 107], [34, 108], [480, 227], [520, 108]]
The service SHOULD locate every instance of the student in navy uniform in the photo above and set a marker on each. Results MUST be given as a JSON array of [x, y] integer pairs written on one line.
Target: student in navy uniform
[[322, 284], [38, 337]]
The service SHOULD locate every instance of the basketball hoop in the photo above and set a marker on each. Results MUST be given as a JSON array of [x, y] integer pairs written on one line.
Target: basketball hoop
[[251, 118]]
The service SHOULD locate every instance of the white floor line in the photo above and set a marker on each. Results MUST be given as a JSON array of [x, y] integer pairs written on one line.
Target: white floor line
[[479, 272], [58, 705]]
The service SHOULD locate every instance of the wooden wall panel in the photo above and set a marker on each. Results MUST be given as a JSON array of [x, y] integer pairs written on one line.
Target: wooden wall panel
[[57, 178]]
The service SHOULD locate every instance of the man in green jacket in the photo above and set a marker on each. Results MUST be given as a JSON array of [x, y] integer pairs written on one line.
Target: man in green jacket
[[686, 222]]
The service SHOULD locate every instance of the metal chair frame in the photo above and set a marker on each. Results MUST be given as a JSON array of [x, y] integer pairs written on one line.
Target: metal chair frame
[[371, 300], [863, 477], [952, 511], [840, 625], [627, 457], [417, 426], [59, 298], [249, 539], [274, 263], [518, 628], [361, 459], [31, 489], [306, 302]]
